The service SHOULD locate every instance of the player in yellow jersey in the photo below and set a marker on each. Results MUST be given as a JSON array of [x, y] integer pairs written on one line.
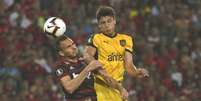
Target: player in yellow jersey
[[114, 50]]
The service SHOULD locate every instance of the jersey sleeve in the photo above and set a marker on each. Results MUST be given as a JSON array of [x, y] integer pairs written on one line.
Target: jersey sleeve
[[93, 41], [129, 44], [61, 71]]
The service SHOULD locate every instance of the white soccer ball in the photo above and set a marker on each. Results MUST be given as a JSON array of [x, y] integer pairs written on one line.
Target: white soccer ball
[[54, 26]]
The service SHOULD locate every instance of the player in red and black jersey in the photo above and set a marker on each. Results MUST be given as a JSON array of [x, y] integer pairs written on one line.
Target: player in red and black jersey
[[76, 77]]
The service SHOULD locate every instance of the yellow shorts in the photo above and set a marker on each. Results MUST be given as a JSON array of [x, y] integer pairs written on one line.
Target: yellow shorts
[[106, 93]]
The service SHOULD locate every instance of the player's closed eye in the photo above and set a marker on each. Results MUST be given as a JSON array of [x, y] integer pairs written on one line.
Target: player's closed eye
[[102, 22], [70, 45], [109, 21]]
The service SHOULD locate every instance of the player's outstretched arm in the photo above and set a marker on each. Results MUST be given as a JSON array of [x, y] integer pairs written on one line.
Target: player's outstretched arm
[[70, 85], [131, 68]]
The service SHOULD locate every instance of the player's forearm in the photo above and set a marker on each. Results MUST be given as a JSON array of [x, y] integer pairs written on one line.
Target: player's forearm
[[129, 66], [110, 81], [73, 84], [131, 70], [113, 83]]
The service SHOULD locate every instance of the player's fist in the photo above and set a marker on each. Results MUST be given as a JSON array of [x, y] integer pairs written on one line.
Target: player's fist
[[124, 94], [94, 65], [141, 73]]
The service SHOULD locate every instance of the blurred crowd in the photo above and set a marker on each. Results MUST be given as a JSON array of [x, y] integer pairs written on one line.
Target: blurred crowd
[[167, 42]]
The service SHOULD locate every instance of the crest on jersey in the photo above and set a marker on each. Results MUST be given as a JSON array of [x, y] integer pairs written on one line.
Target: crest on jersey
[[71, 67], [59, 72], [122, 43]]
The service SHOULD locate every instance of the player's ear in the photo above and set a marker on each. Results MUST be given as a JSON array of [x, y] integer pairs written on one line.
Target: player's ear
[[61, 53], [99, 25], [115, 21]]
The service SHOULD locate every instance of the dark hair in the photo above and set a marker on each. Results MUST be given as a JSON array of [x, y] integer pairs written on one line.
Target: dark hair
[[104, 11], [60, 39]]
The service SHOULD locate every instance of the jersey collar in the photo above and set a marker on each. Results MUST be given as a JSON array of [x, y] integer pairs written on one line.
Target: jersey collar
[[110, 36]]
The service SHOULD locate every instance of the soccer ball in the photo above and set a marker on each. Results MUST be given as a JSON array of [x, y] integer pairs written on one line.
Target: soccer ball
[[55, 27]]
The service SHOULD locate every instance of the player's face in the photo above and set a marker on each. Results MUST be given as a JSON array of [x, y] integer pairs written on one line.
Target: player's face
[[107, 24], [68, 48]]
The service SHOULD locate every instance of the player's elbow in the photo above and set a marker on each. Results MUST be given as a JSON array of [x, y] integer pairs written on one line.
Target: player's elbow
[[86, 56], [68, 89]]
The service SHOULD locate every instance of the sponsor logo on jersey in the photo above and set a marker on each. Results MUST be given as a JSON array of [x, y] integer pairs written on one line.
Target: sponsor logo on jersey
[[115, 57]]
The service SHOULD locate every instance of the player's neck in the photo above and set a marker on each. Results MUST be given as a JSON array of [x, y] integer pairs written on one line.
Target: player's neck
[[72, 60]]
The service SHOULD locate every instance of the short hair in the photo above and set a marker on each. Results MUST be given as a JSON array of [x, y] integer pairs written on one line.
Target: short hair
[[60, 39], [104, 11]]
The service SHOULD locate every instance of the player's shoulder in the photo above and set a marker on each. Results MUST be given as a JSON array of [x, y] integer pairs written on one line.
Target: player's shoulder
[[61, 64], [60, 69], [96, 35]]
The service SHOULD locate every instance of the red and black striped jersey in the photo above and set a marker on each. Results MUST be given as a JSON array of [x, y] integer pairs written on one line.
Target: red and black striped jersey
[[86, 89]]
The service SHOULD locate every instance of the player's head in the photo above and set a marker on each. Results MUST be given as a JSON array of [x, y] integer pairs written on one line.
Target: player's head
[[106, 19], [67, 47]]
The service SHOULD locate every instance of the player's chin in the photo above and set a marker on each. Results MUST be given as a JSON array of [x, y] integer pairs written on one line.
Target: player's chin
[[106, 31], [109, 31], [74, 55]]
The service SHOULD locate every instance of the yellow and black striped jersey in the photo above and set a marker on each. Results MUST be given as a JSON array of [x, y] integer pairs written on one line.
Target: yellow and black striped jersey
[[110, 52]]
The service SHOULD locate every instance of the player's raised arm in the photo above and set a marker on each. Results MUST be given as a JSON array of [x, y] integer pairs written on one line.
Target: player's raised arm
[[70, 85]]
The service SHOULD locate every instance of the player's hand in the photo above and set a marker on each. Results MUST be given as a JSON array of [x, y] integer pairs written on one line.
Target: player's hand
[[93, 65], [141, 73], [124, 94]]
